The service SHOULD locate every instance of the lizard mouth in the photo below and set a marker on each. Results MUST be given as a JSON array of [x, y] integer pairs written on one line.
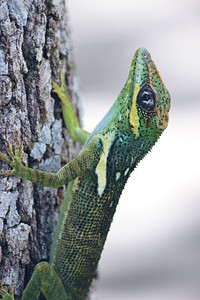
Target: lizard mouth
[[163, 119], [163, 123]]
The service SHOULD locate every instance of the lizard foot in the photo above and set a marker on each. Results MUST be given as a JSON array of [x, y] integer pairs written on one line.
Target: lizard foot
[[14, 159], [5, 295], [61, 90]]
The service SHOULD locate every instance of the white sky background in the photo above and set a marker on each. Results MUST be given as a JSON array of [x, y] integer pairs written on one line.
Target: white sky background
[[153, 248]]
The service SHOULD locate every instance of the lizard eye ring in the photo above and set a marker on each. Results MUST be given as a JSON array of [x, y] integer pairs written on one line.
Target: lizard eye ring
[[146, 98]]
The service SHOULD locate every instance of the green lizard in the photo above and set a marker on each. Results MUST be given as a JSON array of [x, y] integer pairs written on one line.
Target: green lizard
[[96, 179]]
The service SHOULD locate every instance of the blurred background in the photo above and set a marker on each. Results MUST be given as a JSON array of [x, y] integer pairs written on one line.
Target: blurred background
[[153, 248]]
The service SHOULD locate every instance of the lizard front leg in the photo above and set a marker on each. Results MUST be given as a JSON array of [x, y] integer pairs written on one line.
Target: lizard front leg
[[85, 160]]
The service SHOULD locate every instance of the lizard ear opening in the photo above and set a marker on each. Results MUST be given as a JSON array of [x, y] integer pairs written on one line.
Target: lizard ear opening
[[146, 98]]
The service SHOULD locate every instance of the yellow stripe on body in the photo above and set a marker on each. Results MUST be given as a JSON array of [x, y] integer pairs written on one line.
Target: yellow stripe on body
[[101, 167]]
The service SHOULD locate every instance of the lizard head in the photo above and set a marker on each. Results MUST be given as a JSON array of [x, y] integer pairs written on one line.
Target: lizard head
[[143, 104], [150, 100]]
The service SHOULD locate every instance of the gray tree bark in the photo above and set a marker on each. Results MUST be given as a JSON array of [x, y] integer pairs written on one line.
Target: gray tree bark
[[34, 40]]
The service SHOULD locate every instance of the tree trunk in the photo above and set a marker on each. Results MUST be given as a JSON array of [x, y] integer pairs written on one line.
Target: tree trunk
[[34, 41]]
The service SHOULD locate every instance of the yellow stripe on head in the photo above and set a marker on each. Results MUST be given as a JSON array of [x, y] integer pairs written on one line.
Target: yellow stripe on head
[[134, 119]]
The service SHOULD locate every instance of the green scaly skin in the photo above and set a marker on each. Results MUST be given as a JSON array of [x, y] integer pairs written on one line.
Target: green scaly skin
[[97, 177]]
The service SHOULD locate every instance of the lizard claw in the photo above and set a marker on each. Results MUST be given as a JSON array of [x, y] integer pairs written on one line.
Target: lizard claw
[[54, 85], [7, 173], [3, 157], [9, 149]]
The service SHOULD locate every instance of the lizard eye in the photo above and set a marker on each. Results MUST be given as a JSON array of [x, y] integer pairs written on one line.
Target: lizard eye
[[146, 98]]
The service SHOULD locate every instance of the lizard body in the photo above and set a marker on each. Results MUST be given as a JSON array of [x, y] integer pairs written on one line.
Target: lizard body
[[97, 177]]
